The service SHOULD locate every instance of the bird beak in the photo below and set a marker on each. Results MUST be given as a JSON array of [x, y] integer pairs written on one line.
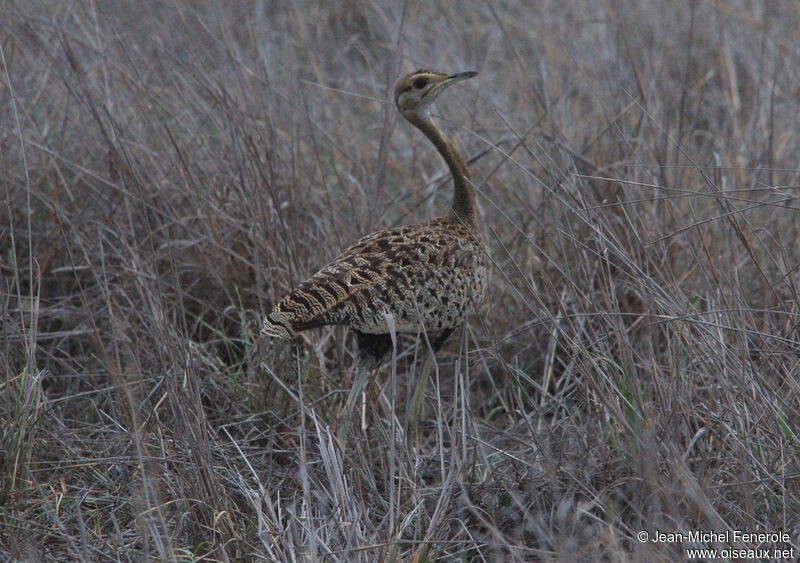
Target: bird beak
[[461, 76], [452, 79]]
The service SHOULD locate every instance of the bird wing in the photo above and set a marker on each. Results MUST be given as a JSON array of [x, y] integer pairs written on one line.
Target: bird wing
[[382, 271]]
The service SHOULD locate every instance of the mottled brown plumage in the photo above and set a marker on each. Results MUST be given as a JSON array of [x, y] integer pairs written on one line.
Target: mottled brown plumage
[[435, 272]]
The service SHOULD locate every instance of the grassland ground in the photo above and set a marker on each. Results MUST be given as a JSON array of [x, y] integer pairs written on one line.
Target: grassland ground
[[169, 169]]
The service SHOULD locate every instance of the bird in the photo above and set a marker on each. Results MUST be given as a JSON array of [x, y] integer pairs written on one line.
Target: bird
[[433, 272]]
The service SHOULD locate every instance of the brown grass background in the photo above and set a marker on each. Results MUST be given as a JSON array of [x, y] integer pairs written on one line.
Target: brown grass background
[[170, 169]]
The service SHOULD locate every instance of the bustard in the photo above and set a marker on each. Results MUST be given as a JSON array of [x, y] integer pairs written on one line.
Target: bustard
[[433, 272]]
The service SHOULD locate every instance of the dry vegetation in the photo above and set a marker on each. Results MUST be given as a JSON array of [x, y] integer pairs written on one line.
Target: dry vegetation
[[170, 169]]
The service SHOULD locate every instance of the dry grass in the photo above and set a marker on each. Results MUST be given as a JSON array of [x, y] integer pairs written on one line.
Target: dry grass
[[170, 169]]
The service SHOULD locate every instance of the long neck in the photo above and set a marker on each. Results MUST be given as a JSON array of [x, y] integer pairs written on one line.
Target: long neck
[[463, 192]]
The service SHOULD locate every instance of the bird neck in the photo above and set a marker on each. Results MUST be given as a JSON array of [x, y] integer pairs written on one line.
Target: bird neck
[[463, 192]]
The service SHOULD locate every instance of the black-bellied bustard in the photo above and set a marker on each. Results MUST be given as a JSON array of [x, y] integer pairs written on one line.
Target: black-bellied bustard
[[434, 272]]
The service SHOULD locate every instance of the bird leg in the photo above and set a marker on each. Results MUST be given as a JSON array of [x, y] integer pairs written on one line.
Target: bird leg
[[415, 408], [346, 418], [372, 348]]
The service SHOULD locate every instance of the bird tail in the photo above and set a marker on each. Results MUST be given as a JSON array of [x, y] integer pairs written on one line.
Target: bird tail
[[277, 326]]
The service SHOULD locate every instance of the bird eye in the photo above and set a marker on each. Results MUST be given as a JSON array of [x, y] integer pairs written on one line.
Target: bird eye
[[420, 82]]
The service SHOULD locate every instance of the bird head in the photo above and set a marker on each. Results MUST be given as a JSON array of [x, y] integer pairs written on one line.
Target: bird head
[[415, 91]]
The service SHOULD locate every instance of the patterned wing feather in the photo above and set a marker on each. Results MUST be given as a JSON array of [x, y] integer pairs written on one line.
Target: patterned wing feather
[[437, 269]]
